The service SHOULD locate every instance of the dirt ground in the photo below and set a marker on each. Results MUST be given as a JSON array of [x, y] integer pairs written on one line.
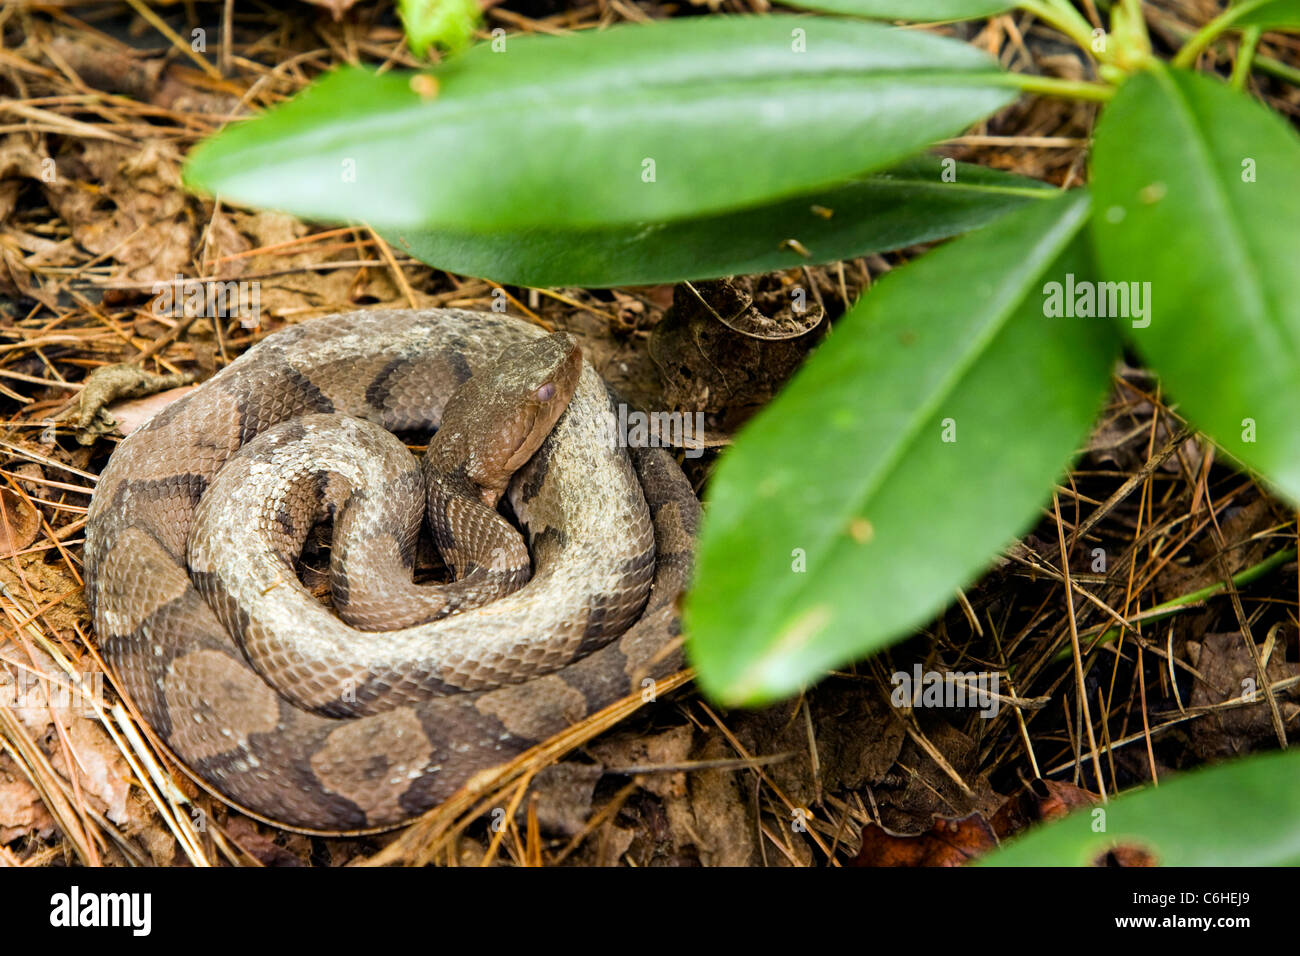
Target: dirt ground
[[1193, 560]]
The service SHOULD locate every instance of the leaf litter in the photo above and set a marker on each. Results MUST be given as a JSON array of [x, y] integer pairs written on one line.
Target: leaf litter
[[93, 219]]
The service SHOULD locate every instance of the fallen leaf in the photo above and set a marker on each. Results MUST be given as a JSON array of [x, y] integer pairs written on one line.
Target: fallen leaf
[[1039, 801], [758, 306], [1228, 669], [21, 810], [948, 842], [19, 523], [133, 413]]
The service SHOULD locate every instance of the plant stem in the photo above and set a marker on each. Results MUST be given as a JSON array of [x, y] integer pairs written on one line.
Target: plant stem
[[1071, 15], [1128, 24], [1137, 19], [1283, 71], [1245, 54], [1065, 89], [1063, 17], [1210, 32], [1265, 64], [1174, 605]]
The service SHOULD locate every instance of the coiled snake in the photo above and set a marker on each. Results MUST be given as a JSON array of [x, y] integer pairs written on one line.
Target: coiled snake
[[195, 598]]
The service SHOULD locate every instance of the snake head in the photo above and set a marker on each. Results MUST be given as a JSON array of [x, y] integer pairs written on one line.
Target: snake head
[[498, 419]]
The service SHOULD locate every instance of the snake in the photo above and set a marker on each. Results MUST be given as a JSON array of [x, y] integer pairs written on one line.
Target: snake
[[567, 553]]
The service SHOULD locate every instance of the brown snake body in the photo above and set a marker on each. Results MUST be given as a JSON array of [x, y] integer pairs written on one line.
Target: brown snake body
[[365, 729]]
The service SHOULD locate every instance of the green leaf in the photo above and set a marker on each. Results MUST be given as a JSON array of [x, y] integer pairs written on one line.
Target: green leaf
[[906, 205], [1269, 14], [918, 11], [1264, 14], [449, 24], [1196, 195], [1242, 813], [640, 122], [842, 519]]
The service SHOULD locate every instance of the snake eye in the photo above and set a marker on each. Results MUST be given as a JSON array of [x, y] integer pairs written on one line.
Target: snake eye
[[546, 392]]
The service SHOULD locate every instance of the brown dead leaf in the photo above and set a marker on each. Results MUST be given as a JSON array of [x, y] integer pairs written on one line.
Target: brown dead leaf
[[16, 279], [561, 796], [224, 245], [115, 69], [52, 585], [21, 809], [19, 523], [758, 306], [63, 723], [948, 842], [91, 413], [312, 289], [176, 93], [126, 202], [1127, 440], [260, 843], [611, 843], [103, 773], [921, 791], [1039, 801], [721, 813], [133, 413], [45, 696], [1228, 669], [701, 818], [1243, 526], [707, 366]]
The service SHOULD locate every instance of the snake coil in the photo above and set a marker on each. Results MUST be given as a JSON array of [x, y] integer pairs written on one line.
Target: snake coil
[[581, 633]]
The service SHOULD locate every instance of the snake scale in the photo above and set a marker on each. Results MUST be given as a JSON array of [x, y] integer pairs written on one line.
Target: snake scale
[[194, 596]]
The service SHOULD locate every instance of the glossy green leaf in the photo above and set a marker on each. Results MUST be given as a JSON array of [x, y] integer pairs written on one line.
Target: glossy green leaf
[[635, 123], [917, 11], [922, 436], [910, 203], [1269, 14], [1242, 813], [1196, 197]]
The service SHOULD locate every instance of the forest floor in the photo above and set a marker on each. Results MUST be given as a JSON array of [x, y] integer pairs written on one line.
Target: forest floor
[[101, 104]]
